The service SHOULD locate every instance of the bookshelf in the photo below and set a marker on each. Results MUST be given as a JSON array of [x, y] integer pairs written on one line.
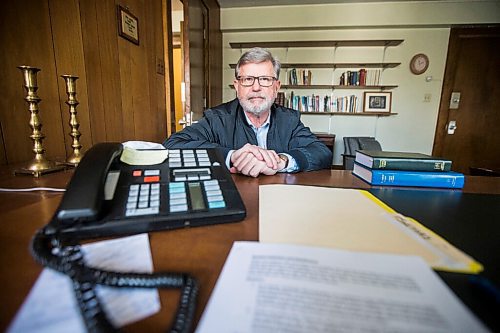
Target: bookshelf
[[376, 68], [327, 86], [365, 114], [318, 43], [337, 65]]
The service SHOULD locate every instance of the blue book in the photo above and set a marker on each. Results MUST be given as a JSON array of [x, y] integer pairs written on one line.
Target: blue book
[[448, 179]]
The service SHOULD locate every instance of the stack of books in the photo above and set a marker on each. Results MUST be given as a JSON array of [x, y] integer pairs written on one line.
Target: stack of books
[[405, 169]]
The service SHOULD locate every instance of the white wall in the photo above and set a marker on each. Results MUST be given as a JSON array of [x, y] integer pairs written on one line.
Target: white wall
[[177, 18], [424, 26]]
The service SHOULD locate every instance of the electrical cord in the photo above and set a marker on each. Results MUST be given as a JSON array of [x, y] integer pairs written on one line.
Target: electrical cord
[[48, 251], [32, 189]]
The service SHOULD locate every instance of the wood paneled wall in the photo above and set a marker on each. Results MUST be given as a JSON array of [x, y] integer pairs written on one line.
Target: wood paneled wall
[[215, 53], [121, 95]]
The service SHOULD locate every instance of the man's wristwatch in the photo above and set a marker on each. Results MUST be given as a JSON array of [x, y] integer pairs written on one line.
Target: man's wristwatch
[[284, 158]]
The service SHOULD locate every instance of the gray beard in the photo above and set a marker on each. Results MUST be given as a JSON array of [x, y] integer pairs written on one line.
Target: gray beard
[[256, 110]]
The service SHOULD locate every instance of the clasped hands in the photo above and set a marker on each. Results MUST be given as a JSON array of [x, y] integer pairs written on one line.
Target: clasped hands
[[252, 160]]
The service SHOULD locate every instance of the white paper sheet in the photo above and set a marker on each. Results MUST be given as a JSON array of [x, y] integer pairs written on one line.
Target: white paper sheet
[[292, 288], [51, 305]]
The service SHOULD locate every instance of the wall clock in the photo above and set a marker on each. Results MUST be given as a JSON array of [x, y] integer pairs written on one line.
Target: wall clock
[[419, 63]]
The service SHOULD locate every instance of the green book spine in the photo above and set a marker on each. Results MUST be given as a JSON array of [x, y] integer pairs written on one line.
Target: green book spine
[[411, 164]]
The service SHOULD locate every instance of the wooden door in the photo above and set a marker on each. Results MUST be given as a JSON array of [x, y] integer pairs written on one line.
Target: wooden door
[[195, 57], [473, 70]]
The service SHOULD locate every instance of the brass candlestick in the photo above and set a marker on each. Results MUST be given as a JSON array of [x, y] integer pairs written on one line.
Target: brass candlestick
[[76, 156], [39, 165]]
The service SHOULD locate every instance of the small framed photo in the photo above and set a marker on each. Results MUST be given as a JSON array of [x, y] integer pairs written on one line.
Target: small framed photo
[[377, 101], [128, 25]]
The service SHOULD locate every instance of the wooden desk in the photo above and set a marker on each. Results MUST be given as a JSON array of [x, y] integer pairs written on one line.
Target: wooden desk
[[199, 251]]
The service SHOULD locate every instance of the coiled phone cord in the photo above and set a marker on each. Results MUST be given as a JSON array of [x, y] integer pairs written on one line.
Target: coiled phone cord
[[69, 260]]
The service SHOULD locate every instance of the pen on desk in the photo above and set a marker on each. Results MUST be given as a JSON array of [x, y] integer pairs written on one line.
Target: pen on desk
[[486, 287]]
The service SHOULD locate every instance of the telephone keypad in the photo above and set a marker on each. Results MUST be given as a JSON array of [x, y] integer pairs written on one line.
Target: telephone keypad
[[191, 187], [214, 194], [143, 199], [178, 197], [188, 158]]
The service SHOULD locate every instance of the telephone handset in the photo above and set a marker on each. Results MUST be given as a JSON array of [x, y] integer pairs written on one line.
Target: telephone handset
[[107, 197], [84, 196]]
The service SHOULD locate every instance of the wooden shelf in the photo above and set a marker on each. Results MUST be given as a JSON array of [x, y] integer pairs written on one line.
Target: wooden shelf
[[326, 86], [318, 43], [329, 86], [337, 65], [367, 114], [368, 65]]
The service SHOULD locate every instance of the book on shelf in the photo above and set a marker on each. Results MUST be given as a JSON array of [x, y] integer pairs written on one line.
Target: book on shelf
[[361, 77], [440, 179], [280, 99], [342, 79], [321, 103], [377, 159], [292, 77], [373, 77], [306, 76], [299, 77], [348, 104]]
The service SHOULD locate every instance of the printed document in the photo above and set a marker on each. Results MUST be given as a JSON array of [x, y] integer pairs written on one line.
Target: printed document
[[51, 305], [294, 288]]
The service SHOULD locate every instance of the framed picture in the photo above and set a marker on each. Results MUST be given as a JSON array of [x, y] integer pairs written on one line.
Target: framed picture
[[377, 101], [128, 25]]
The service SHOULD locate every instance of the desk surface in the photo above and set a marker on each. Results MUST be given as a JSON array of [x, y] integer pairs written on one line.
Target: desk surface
[[202, 251]]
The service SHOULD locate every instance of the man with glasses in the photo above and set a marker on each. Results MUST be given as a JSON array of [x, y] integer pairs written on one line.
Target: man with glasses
[[255, 135]]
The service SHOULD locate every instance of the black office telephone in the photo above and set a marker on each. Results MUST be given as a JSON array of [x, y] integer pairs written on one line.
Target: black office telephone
[[107, 197], [191, 188]]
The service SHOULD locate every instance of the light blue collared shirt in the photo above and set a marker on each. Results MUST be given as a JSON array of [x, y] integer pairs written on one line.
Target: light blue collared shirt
[[261, 134]]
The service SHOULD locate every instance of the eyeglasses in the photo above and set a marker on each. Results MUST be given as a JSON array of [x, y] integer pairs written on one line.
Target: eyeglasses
[[264, 81]]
